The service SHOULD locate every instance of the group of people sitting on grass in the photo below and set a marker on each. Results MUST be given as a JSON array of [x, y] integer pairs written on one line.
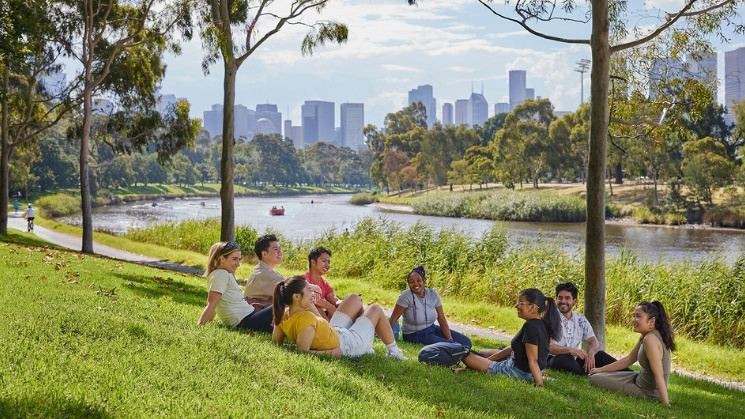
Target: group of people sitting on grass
[[305, 310]]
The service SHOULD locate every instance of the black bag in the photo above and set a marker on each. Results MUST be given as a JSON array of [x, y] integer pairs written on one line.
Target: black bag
[[443, 353]]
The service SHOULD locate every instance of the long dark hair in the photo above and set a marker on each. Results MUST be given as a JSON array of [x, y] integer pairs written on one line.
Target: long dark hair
[[547, 306], [661, 322], [282, 296]]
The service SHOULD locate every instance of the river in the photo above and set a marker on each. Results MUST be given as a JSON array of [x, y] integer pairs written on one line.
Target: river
[[309, 216]]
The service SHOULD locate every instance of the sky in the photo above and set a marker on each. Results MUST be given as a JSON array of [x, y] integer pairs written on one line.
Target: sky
[[456, 46]]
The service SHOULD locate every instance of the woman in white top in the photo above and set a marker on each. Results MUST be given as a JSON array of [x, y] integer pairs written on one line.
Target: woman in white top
[[420, 307], [224, 295]]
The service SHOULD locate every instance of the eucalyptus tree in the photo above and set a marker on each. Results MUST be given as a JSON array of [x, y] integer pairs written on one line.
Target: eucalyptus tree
[[232, 31], [612, 31], [28, 108], [117, 47]]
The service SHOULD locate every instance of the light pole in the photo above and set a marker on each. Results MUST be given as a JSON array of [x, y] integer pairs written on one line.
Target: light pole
[[582, 66]]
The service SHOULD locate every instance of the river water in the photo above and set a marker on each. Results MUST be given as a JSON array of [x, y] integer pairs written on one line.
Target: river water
[[309, 216]]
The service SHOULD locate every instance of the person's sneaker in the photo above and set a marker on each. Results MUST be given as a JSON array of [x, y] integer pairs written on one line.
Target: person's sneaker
[[395, 353]]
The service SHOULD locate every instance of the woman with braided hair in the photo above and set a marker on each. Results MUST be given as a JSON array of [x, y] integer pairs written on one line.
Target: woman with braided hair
[[421, 307]]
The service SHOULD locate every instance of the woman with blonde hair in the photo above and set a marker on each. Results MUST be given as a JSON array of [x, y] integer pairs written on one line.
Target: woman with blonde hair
[[224, 295]]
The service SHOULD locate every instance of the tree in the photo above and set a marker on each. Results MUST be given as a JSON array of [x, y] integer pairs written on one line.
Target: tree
[[688, 26], [705, 166], [260, 19], [119, 46]]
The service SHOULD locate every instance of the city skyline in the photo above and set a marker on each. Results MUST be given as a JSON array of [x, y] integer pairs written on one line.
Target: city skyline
[[393, 48]]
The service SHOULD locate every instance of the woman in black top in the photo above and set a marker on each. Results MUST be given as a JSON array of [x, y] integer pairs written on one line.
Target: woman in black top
[[527, 354]]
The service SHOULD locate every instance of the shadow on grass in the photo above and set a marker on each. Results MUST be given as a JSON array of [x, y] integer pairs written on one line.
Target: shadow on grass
[[28, 239], [49, 406], [157, 286]]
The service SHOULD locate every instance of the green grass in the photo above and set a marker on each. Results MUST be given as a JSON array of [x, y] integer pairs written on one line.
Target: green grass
[[91, 337]]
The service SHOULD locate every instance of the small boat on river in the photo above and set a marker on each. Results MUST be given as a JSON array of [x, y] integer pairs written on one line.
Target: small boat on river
[[277, 211]]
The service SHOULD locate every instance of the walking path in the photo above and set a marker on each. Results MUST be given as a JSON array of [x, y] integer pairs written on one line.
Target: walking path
[[75, 243]]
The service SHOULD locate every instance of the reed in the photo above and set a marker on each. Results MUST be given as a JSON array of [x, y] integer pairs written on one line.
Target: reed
[[505, 205], [58, 205], [194, 235]]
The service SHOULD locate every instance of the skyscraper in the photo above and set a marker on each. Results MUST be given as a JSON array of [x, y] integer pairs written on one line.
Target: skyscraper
[[734, 80], [240, 125], [518, 81], [273, 123], [478, 109], [352, 119], [424, 94], [501, 107], [212, 120], [704, 68], [530, 93], [447, 114], [318, 122], [461, 112]]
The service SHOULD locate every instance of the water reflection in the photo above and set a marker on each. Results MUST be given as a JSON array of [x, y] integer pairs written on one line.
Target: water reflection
[[309, 216]]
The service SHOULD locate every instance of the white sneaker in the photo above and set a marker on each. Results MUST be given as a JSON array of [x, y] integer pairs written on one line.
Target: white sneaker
[[395, 353]]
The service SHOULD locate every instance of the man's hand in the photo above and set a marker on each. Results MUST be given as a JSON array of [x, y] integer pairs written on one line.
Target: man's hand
[[579, 353]]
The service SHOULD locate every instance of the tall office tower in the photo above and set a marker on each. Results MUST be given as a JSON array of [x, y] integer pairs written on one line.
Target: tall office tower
[[704, 68], [664, 69], [424, 94], [501, 107], [352, 118], [734, 80], [240, 123], [269, 112], [165, 102], [447, 114], [530, 93], [518, 81], [318, 122], [478, 109], [461, 112], [212, 120]]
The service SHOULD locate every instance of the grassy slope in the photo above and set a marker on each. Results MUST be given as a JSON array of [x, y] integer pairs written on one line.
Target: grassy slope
[[72, 348]]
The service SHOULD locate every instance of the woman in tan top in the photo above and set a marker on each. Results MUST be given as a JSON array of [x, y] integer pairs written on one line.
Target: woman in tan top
[[653, 353]]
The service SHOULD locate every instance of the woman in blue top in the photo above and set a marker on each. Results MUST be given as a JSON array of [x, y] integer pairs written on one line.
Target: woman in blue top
[[420, 307]]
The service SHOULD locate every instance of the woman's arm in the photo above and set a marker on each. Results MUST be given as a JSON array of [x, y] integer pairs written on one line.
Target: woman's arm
[[496, 354], [397, 312], [622, 363], [209, 311], [535, 370], [278, 336], [305, 338], [443, 323], [654, 351]]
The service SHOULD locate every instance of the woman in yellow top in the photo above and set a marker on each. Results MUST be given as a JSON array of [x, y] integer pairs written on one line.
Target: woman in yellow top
[[349, 333]]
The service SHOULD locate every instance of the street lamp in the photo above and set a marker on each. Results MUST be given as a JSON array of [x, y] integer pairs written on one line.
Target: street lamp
[[582, 66]]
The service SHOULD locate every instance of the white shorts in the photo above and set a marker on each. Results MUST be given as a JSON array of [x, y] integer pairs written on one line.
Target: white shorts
[[356, 338]]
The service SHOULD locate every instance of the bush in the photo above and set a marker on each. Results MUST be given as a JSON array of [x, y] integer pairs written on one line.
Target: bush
[[58, 205], [363, 199]]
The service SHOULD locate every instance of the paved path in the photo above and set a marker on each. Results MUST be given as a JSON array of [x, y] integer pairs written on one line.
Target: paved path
[[75, 243]]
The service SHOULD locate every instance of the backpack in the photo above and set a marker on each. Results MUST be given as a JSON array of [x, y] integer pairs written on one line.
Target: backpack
[[443, 353]]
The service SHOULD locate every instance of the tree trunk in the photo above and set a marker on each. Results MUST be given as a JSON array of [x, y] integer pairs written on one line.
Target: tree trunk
[[5, 156], [595, 246], [227, 230], [85, 189], [619, 174]]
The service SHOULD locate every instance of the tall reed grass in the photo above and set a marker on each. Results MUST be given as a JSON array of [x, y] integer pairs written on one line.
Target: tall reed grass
[[705, 300], [58, 205], [505, 205]]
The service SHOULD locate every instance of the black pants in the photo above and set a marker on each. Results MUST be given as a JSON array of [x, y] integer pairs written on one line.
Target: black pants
[[566, 362]]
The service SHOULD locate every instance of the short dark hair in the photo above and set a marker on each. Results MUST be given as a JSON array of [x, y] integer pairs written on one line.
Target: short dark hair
[[316, 253], [567, 286], [262, 244]]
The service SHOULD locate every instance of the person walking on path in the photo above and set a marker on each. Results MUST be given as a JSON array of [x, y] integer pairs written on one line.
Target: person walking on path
[[16, 205]]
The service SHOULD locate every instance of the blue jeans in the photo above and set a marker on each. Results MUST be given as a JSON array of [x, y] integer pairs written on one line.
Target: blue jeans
[[260, 321], [507, 367], [433, 334]]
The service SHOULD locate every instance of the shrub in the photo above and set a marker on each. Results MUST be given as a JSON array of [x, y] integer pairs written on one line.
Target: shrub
[[363, 199], [58, 205]]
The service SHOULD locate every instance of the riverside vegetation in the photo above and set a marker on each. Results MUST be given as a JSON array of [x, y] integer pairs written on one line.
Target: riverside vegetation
[[89, 337]]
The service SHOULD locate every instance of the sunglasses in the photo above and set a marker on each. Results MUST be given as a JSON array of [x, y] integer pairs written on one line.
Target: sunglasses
[[230, 246]]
